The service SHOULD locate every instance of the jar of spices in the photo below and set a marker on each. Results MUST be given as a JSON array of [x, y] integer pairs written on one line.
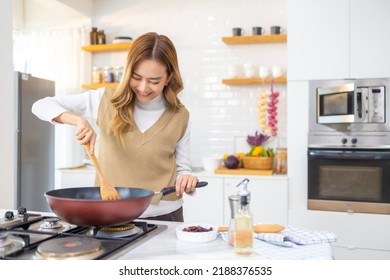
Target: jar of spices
[[93, 36], [101, 37], [97, 75], [108, 75], [281, 160], [118, 74]]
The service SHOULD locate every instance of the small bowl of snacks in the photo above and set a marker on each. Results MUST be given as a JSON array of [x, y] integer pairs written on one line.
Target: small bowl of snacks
[[196, 232]]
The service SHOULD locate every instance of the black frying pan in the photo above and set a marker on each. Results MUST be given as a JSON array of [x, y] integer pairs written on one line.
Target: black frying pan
[[84, 206]]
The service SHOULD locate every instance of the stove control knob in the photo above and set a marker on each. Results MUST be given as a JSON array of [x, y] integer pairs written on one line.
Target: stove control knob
[[22, 211], [9, 215], [354, 140], [344, 140]]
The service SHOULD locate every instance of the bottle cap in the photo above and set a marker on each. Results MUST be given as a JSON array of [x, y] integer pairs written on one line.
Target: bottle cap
[[244, 193]]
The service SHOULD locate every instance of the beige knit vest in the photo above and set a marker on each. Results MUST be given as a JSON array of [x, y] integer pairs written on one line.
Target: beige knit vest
[[148, 160]]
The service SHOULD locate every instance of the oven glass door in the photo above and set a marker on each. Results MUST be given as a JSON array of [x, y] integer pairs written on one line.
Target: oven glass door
[[349, 175]]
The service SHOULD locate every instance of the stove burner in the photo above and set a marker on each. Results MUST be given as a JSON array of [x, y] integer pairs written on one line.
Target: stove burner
[[9, 243], [70, 247], [120, 231], [118, 228], [51, 223], [50, 238], [4, 241]]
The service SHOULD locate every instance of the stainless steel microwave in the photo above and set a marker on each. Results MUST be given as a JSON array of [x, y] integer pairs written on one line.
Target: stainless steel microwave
[[351, 103]]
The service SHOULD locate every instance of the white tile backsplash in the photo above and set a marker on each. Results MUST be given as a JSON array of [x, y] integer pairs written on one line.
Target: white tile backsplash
[[220, 114]]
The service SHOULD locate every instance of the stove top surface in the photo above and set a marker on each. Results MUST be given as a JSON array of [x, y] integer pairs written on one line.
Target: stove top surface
[[27, 236]]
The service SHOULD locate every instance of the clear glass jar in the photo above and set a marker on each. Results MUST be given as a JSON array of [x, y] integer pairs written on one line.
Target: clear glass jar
[[118, 74], [108, 74], [281, 160], [97, 75]]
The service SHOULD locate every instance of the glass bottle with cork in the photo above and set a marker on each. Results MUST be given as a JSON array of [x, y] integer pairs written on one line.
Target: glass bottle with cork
[[243, 241], [101, 37]]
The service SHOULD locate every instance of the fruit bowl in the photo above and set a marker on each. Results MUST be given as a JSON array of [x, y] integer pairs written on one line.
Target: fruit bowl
[[260, 163]]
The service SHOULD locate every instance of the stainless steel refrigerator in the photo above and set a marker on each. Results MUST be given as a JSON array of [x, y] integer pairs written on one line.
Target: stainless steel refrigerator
[[35, 144]]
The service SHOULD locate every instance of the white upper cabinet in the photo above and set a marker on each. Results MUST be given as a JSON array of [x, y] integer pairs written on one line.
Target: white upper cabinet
[[370, 38], [338, 39], [318, 40]]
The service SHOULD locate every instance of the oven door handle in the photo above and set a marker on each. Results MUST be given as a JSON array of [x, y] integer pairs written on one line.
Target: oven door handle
[[350, 154]]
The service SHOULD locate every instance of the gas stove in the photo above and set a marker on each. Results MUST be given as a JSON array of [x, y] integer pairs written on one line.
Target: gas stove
[[31, 236]]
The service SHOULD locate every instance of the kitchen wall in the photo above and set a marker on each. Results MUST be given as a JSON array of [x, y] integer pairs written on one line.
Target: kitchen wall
[[221, 115]]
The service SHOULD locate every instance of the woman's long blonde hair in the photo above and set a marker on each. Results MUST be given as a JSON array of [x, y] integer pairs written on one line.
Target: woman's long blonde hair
[[147, 46]]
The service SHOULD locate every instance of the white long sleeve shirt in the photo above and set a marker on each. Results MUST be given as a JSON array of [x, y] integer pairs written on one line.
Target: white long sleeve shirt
[[145, 115]]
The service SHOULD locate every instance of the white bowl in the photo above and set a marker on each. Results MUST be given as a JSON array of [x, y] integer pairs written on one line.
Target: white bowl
[[196, 237], [211, 163]]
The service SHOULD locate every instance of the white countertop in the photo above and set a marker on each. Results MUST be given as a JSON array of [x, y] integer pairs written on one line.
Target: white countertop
[[165, 246]]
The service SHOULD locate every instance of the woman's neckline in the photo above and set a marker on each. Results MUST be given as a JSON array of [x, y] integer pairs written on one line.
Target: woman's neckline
[[157, 103]]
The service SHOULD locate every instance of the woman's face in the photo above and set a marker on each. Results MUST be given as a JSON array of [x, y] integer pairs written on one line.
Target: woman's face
[[148, 80]]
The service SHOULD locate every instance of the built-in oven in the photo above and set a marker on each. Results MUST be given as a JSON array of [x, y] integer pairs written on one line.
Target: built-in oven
[[349, 146], [352, 180]]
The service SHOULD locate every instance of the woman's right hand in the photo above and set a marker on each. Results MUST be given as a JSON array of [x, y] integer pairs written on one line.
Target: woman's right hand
[[84, 131], [85, 134]]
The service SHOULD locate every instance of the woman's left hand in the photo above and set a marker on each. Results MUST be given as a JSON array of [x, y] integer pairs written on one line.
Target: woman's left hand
[[186, 184]]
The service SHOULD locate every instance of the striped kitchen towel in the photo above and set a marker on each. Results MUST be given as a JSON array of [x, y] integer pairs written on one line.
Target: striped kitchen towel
[[292, 236]]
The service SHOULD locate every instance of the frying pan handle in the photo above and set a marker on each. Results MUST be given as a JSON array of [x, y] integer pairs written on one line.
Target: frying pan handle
[[168, 190]]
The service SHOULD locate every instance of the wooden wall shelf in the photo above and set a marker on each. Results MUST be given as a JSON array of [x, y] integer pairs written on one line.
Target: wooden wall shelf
[[107, 47], [95, 86], [244, 81], [259, 39]]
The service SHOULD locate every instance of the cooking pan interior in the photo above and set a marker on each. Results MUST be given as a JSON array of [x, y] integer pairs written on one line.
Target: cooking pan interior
[[93, 193]]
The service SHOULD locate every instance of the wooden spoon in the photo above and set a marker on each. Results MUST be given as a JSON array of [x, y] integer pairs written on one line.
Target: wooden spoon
[[107, 191]]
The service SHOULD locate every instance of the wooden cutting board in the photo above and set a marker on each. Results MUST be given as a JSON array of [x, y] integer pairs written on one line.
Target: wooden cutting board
[[243, 171]]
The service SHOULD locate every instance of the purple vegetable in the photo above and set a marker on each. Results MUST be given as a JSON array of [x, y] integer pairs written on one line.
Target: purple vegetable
[[231, 162]]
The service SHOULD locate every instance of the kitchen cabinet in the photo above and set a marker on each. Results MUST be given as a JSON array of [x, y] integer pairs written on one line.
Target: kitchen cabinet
[[370, 38], [269, 199], [75, 177], [119, 47], [205, 205], [359, 236], [338, 39], [318, 45]]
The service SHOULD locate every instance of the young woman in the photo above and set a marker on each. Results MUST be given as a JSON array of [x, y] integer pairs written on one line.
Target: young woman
[[144, 132]]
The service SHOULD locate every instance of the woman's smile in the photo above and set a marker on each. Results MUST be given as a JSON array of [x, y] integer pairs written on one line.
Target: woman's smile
[[148, 80]]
